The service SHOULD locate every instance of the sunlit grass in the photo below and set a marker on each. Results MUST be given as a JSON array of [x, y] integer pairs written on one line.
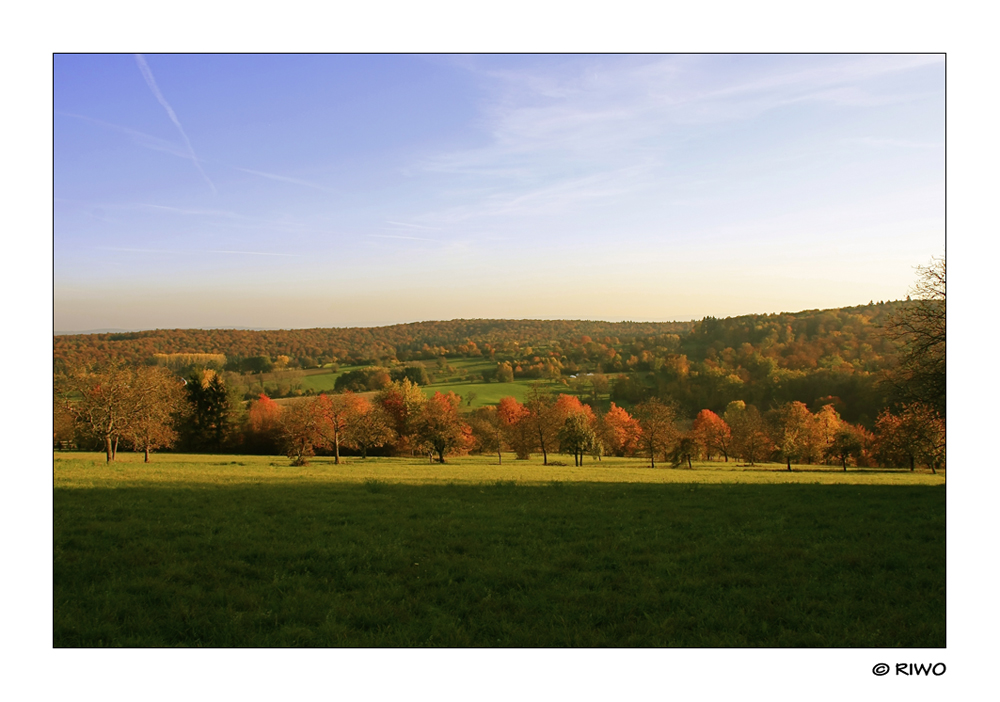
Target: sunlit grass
[[90, 470]]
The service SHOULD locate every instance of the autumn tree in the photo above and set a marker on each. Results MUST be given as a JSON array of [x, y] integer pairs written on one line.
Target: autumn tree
[[440, 426], [488, 427], [619, 431], [303, 430], [658, 424], [599, 385], [921, 326], [402, 400], [517, 428], [712, 434], [685, 447], [846, 443], [827, 423], [544, 419], [916, 434], [504, 374], [750, 437], [888, 447], [156, 397], [264, 424], [924, 430], [793, 431], [368, 426], [99, 402], [576, 436], [336, 410]]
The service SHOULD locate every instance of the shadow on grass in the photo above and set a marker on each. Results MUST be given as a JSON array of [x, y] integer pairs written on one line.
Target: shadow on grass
[[501, 564]]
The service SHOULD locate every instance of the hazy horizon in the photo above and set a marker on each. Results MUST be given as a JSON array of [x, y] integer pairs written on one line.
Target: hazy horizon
[[301, 191]]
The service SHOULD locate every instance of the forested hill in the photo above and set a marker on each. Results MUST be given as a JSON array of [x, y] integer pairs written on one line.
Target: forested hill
[[794, 340], [353, 344]]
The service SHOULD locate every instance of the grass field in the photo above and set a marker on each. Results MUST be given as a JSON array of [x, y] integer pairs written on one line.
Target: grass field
[[249, 551], [488, 393]]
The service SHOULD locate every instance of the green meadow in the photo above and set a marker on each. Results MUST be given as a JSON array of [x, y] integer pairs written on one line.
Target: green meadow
[[485, 393], [249, 551]]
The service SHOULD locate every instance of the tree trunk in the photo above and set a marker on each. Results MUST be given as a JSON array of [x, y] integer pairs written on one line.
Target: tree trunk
[[440, 455], [690, 467], [499, 458], [107, 448], [911, 464], [725, 456], [114, 451], [336, 447], [146, 456], [788, 462], [545, 457], [843, 459]]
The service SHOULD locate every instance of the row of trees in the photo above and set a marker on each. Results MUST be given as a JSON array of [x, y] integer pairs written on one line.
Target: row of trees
[[121, 402], [148, 407]]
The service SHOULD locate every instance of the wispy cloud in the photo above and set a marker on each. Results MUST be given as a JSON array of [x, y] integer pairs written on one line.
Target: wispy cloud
[[900, 143], [140, 138], [414, 226], [195, 251], [581, 133], [411, 238], [157, 144], [285, 179], [151, 82]]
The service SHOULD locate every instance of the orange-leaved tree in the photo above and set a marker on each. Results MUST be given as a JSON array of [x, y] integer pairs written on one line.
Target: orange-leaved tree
[[264, 424], [368, 426], [619, 431], [712, 434], [440, 426], [516, 427]]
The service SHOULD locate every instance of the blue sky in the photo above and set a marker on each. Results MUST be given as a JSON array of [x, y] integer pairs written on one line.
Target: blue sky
[[301, 191]]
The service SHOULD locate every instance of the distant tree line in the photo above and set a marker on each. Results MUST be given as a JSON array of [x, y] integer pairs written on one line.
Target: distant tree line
[[864, 386]]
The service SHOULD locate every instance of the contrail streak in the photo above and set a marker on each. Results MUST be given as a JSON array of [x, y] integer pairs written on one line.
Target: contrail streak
[[411, 238], [190, 251], [151, 82], [285, 179]]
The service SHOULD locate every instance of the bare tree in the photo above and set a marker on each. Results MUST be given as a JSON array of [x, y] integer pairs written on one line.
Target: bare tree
[[921, 327], [101, 403]]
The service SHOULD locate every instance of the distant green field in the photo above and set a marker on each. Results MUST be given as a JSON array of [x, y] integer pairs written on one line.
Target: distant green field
[[490, 393], [486, 393], [249, 551], [321, 382]]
